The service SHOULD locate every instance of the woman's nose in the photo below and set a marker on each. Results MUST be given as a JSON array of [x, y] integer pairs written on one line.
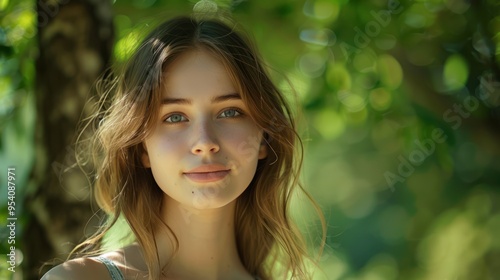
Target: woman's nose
[[206, 140]]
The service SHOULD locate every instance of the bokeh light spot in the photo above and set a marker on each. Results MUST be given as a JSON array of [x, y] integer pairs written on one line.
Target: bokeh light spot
[[355, 117], [418, 16], [124, 23], [321, 37], [338, 78], [312, 64], [326, 10], [329, 123], [3, 4], [21, 25], [390, 71], [126, 45], [352, 102], [365, 61], [380, 99], [455, 72]]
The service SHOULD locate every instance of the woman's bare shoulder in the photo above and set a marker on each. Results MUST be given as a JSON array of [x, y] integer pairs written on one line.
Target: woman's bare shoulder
[[78, 269]]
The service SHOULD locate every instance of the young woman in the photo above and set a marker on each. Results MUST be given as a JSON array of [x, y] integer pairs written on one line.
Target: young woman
[[198, 152]]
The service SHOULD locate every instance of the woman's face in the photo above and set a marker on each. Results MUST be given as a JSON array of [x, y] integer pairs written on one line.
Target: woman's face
[[204, 149]]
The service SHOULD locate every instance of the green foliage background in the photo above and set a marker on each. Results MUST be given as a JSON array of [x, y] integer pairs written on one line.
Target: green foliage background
[[400, 112]]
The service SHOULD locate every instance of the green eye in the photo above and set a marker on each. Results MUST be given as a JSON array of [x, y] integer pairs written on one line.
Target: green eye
[[230, 113], [175, 118]]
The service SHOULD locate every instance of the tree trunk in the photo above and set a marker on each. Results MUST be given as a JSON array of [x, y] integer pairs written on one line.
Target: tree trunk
[[75, 40]]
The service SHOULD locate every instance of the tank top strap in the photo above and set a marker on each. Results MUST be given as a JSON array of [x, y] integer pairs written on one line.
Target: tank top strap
[[114, 271]]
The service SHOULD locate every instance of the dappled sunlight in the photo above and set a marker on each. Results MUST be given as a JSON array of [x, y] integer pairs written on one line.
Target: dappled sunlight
[[458, 240]]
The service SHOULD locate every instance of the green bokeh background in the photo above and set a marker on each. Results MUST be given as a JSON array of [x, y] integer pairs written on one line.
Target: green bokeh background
[[400, 116]]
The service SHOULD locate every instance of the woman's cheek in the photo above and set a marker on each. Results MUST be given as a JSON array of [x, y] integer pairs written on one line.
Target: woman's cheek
[[247, 145], [166, 143]]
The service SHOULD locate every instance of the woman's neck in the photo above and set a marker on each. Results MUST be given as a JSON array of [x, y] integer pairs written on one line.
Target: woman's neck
[[207, 242]]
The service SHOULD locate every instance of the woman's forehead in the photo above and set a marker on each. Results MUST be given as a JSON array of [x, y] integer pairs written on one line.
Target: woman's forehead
[[196, 71]]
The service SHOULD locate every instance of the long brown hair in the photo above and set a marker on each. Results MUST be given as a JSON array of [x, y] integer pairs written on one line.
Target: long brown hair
[[266, 236]]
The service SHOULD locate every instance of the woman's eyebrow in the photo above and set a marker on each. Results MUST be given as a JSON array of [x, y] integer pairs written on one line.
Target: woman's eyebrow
[[217, 99]]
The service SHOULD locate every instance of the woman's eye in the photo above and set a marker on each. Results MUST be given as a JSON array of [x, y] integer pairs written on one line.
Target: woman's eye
[[175, 118], [230, 113]]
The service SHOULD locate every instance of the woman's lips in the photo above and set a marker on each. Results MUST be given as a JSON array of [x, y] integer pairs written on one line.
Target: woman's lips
[[206, 177]]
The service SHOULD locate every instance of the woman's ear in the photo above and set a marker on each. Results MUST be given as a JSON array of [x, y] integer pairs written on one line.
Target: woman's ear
[[145, 156]]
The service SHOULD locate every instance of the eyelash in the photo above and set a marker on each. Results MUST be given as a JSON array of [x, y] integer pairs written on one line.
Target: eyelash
[[238, 111]]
